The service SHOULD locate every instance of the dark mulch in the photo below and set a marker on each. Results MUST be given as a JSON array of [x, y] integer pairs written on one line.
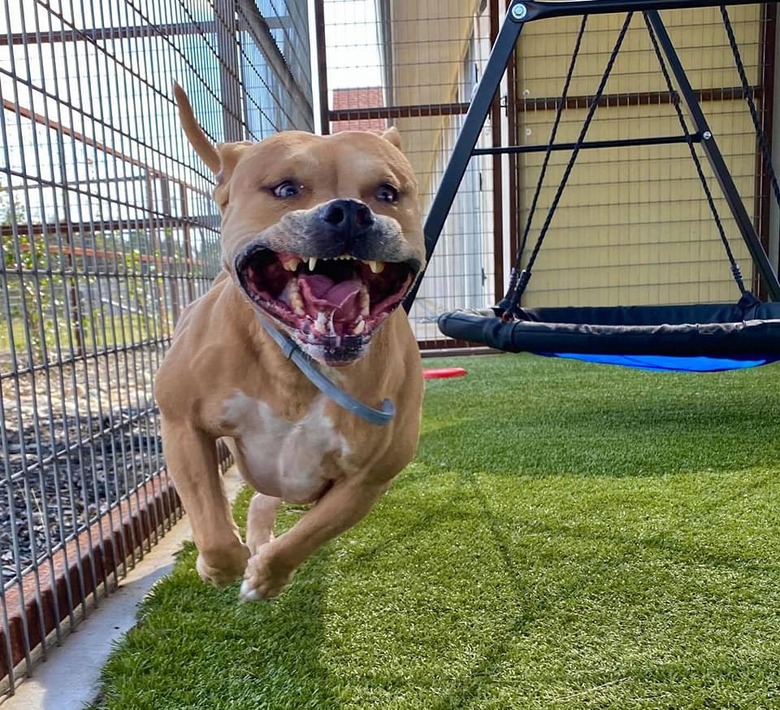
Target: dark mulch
[[60, 474]]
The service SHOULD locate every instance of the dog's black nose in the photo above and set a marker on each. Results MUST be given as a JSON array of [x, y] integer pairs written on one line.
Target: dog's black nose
[[348, 218]]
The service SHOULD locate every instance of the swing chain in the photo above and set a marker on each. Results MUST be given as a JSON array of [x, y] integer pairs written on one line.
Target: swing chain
[[519, 278], [735, 270], [507, 306], [747, 93], [513, 295]]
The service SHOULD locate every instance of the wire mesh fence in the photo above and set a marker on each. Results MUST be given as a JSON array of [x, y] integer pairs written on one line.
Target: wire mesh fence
[[415, 67], [108, 231], [633, 225]]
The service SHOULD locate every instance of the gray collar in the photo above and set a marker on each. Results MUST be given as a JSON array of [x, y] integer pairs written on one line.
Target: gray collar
[[309, 367]]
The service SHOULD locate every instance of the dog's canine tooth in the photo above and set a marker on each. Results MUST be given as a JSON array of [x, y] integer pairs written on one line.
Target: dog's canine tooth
[[312, 262], [291, 264], [376, 267], [359, 328]]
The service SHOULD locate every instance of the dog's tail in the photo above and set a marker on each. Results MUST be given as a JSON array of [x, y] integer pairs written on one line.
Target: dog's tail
[[199, 140]]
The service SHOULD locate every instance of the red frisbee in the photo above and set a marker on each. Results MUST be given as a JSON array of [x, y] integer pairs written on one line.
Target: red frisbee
[[443, 372]]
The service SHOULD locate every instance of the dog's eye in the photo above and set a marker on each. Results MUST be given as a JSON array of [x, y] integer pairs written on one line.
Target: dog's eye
[[286, 189], [387, 193]]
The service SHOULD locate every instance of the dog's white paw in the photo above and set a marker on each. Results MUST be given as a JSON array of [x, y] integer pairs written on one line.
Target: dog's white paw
[[262, 580], [223, 568], [247, 594]]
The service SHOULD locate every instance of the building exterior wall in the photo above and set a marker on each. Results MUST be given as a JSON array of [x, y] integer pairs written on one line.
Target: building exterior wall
[[633, 225], [356, 98]]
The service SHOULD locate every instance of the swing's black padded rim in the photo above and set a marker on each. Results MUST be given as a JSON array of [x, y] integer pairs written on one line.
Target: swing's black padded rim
[[702, 330]]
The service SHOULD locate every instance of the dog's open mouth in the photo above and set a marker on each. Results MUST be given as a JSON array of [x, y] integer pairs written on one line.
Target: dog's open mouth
[[332, 306]]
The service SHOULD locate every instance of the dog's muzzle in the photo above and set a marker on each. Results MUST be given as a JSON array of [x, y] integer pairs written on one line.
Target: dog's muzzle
[[333, 298]]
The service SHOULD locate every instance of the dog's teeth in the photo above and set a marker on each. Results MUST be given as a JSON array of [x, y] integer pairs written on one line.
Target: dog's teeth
[[312, 263], [292, 297], [296, 301], [291, 264], [376, 266], [359, 328], [321, 324]]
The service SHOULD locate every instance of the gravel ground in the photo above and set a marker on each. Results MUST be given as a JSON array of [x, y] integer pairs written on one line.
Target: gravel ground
[[75, 440]]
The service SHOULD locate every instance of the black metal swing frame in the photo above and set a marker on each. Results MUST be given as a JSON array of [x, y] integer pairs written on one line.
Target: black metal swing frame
[[742, 330]]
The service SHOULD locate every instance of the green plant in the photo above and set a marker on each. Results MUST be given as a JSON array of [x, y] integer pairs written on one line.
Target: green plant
[[31, 285]]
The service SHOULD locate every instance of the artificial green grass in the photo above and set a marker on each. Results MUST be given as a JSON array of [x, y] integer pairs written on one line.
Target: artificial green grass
[[569, 536]]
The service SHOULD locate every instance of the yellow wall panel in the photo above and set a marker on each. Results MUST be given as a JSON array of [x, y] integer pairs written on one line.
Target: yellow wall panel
[[633, 225]]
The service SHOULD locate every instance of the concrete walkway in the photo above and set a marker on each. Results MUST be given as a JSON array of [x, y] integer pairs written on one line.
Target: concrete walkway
[[68, 680]]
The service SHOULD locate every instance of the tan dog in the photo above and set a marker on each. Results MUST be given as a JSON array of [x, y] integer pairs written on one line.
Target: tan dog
[[323, 236]]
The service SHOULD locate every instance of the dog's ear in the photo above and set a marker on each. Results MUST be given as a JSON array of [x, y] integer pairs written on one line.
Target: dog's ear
[[220, 159], [391, 135], [199, 140], [228, 155]]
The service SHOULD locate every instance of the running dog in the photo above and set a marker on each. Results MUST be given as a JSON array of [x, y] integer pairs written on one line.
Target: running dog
[[322, 237]]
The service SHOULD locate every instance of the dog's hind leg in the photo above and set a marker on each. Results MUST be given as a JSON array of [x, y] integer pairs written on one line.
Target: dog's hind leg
[[260, 521]]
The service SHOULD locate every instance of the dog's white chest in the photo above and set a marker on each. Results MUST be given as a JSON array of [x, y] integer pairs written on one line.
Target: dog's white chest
[[282, 458]]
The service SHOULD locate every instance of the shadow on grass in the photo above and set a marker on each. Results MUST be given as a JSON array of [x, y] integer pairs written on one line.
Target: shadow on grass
[[541, 418], [288, 642], [484, 674], [536, 603], [405, 531], [204, 649]]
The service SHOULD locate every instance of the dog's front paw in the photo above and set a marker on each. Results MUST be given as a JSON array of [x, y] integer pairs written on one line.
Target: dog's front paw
[[263, 579], [223, 567]]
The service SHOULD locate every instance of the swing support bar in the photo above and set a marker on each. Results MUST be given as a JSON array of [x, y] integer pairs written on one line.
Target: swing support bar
[[527, 10], [518, 14], [711, 150], [618, 143]]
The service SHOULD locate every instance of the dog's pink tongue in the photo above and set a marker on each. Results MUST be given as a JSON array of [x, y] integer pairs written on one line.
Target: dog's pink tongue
[[320, 293]]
